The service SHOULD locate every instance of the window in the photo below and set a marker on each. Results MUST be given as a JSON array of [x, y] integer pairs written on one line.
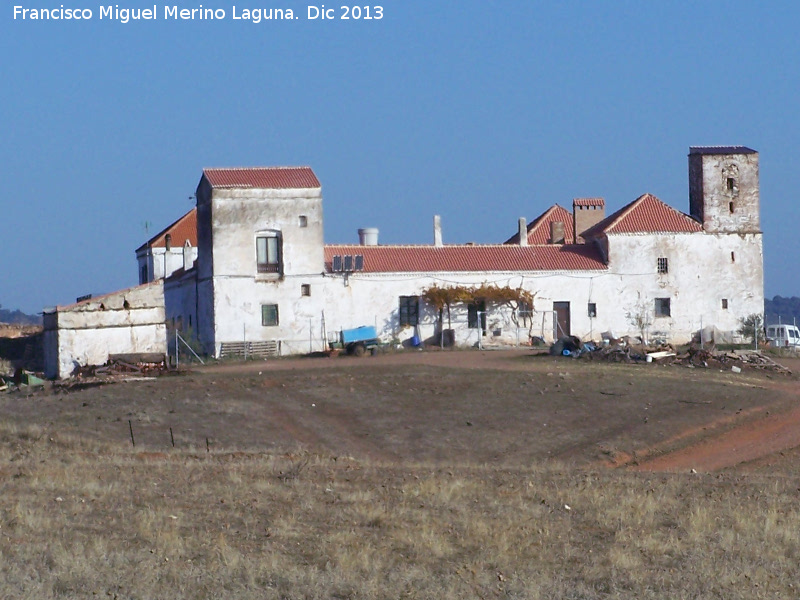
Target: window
[[269, 315], [733, 257], [409, 310], [168, 242], [663, 265], [143, 274], [303, 221], [268, 253], [305, 289], [731, 183], [662, 307], [730, 206], [724, 304], [592, 309]]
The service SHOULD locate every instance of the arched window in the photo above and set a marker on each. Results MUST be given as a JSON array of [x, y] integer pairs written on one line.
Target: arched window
[[268, 252]]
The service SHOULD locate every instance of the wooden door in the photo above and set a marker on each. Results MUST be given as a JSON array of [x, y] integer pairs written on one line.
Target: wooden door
[[561, 325]]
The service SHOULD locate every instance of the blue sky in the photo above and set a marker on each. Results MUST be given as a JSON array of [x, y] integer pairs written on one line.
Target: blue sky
[[477, 110]]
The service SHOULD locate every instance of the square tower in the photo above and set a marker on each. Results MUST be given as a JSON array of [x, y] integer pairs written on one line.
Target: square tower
[[723, 188]]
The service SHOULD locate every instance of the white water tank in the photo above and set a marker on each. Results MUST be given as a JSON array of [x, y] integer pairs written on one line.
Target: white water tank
[[368, 236]]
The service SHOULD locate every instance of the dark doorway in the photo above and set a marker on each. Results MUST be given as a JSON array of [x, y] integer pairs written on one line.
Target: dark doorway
[[474, 310], [561, 326]]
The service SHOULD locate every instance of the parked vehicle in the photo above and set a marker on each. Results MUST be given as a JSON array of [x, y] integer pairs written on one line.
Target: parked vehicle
[[783, 336], [357, 341]]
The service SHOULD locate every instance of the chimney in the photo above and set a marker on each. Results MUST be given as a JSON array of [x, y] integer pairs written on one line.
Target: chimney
[[586, 212], [368, 236], [188, 261], [523, 232], [437, 230], [557, 232]]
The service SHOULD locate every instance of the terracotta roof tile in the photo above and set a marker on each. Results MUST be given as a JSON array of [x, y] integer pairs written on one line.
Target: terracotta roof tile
[[646, 214], [539, 228], [263, 177], [588, 202], [181, 230], [452, 258]]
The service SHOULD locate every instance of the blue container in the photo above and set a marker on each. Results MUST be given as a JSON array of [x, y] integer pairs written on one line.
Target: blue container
[[565, 352], [415, 341], [359, 334]]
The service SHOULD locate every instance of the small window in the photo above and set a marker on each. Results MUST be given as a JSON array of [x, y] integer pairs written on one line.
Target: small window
[[733, 257], [305, 289], [348, 263], [168, 242], [662, 307], [268, 253], [724, 304], [269, 315], [303, 221], [409, 310], [592, 309], [143, 274], [663, 265], [731, 184], [730, 206]]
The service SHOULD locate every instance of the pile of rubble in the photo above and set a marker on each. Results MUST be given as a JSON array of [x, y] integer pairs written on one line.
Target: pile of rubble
[[146, 365], [625, 351]]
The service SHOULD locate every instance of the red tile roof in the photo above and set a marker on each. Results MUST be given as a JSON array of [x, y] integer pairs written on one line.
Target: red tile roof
[[539, 228], [181, 230], [263, 177], [588, 202], [451, 258], [646, 214]]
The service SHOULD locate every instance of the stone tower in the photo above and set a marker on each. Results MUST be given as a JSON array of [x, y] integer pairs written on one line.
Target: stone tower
[[723, 188]]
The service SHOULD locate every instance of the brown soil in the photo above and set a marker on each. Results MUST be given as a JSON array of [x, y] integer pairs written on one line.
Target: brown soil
[[505, 408]]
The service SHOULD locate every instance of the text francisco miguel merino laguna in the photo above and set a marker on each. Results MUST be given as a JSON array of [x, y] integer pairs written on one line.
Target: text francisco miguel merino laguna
[[255, 15]]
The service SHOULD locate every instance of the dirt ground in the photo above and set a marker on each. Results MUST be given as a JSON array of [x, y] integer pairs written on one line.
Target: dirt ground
[[509, 408]]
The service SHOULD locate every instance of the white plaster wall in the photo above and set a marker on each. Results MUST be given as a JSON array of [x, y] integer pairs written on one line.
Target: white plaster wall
[[92, 346], [162, 263], [701, 273], [239, 215]]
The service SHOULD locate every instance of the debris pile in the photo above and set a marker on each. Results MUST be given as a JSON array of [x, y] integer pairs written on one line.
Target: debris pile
[[147, 365], [623, 351]]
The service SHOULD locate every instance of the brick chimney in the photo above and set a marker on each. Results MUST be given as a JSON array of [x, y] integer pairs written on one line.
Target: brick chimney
[[586, 212], [557, 232]]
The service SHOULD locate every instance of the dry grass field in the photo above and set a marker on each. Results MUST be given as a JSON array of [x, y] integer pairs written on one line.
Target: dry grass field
[[452, 475]]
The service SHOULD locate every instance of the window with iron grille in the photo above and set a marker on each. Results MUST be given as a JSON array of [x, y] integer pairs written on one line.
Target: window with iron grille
[[662, 307], [269, 315], [663, 265], [409, 310], [592, 309], [268, 252]]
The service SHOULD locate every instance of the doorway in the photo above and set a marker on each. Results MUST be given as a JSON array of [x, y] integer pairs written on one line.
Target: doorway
[[561, 324]]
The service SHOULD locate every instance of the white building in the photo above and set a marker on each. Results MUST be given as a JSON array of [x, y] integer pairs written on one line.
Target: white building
[[264, 274], [248, 268]]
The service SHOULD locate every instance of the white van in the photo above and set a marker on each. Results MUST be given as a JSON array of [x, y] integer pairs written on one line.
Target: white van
[[783, 336]]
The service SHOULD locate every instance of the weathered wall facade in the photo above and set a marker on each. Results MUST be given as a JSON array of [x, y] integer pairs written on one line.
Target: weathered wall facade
[[86, 333]]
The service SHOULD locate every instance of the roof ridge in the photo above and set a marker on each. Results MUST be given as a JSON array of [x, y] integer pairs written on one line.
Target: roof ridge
[[272, 168]]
